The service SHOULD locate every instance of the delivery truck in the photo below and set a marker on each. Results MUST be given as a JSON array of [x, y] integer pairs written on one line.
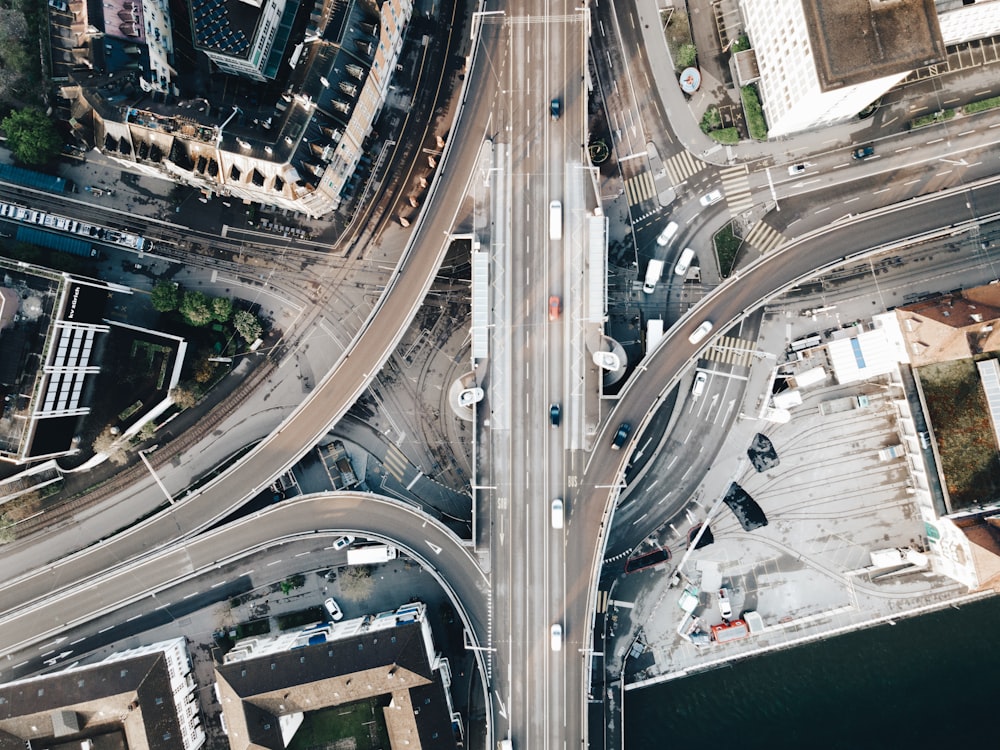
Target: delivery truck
[[370, 555]]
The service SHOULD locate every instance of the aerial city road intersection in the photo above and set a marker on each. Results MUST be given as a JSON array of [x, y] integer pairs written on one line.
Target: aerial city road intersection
[[570, 381]]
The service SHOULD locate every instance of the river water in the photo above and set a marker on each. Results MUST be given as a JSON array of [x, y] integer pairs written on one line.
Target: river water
[[928, 681]]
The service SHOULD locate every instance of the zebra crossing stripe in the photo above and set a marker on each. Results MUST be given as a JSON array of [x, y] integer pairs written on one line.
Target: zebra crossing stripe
[[730, 350], [639, 188], [736, 184], [395, 462], [765, 238], [602, 601], [682, 166]]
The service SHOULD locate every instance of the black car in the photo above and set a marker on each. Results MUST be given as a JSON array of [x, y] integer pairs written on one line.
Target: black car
[[554, 107], [863, 153], [555, 414], [621, 436]]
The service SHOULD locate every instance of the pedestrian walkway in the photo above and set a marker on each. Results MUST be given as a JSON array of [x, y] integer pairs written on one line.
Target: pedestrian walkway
[[640, 189], [683, 166], [764, 238], [730, 350], [395, 462], [736, 186]]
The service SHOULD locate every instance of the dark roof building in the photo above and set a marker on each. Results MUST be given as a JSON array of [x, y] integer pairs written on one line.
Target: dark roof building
[[268, 685], [140, 699], [298, 152]]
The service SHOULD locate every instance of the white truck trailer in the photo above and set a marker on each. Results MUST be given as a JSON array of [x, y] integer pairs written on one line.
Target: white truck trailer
[[371, 555]]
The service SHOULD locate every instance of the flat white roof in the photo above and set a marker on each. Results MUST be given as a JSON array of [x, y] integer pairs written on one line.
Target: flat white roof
[[863, 356]]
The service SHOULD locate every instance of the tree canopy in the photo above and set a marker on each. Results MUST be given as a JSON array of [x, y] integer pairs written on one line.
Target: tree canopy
[[247, 325], [196, 308], [222, 309], [32, 137], [166, 296]]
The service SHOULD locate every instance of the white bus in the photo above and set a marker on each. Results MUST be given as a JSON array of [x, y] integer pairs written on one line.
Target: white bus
[[555, 220]]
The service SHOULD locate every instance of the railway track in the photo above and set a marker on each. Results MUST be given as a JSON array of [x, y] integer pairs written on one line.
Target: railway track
[[58, 515]]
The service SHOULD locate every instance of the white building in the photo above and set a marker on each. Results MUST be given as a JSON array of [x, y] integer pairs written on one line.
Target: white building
[[822, 61]]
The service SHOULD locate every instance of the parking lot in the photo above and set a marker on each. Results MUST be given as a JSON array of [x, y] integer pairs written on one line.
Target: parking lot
[[831, 501]]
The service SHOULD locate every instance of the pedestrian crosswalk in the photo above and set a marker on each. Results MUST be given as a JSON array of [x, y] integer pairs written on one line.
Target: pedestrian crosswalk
[[682, 166], [395, 462], [639, 188], [736, 186], [602, 601], [764, 238], [730, 350]]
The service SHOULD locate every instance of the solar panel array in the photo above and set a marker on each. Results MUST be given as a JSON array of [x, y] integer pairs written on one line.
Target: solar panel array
[[68, 369]]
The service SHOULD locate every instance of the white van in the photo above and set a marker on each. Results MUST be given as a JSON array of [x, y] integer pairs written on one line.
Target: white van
[[557, 513], [667, 234], [653, 272], [684, 262], [555, 220]]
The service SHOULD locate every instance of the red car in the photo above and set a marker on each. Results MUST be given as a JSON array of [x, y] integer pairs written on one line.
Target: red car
[[555, 307]]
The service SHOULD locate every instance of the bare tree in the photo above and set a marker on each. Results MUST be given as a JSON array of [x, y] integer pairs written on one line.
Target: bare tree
[[356, 582]]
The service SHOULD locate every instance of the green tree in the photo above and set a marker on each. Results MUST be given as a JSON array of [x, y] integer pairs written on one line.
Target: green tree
[[247, 325], [687, 56], [711, 120], [196, 308], [222, 309], [166, 296], [31, 136]]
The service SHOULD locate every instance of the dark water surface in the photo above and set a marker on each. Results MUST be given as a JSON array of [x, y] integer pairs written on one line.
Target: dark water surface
[[930, 681]]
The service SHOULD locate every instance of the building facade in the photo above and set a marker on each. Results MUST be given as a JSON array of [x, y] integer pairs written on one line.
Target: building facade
[[822, 61], [141, 699]]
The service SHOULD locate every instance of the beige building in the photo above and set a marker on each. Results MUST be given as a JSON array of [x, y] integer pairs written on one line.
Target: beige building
[[298, 154]]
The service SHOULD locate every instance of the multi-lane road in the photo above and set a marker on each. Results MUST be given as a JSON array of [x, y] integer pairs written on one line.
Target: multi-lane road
[[541, 58]]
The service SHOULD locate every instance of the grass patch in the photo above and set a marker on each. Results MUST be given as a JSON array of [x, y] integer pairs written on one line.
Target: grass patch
[[725, 135], [727, 248], [754, 113], [711, 125], [942, 115], [362, 721], [677, 32], [687, 56], [300, 617], [982, 105], [966, 444]]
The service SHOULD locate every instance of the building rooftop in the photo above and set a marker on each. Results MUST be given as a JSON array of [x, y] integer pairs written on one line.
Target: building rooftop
[[855, 41], [124, 704], [381, 657], [951, 326]]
